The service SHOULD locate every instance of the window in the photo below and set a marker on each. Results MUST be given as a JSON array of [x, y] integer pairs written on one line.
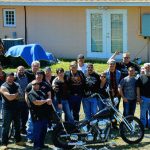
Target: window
[[106, 32], [9, 16]]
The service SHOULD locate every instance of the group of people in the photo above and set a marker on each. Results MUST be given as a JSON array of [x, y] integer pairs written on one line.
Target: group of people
[[28, 95]]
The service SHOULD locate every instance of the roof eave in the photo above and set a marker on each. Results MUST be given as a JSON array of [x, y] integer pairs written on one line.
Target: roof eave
[[74, 3]]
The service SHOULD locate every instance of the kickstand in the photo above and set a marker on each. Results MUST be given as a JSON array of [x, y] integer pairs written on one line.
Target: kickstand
[[81, 147]]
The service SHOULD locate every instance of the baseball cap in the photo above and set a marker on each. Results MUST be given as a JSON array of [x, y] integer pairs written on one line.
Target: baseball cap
[[34, 82], [47, 69], [80, 56], [111, 61]]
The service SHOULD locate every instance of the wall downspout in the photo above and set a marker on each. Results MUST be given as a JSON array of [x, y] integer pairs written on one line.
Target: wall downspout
[[25, 25]]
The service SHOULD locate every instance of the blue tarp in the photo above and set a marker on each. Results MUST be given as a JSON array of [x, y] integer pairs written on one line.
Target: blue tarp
[[30, 53]]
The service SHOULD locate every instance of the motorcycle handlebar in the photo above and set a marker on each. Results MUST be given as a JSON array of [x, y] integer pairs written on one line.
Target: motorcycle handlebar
[[97, 94]]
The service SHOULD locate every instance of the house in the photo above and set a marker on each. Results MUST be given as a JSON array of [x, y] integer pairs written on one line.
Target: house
[[96, 28]]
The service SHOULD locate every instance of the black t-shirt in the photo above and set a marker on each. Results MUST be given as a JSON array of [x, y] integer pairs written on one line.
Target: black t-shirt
[[143, 83], [76, 82], [103, 91], [44, 87], [92, 83], [11, 105], [50, 85], [61, 90], [124, 68], [30, 75], [38, 112], [2, 80]]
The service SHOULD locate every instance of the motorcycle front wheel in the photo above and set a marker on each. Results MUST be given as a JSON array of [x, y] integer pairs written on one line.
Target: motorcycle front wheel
[[136, 134], [60, 138]]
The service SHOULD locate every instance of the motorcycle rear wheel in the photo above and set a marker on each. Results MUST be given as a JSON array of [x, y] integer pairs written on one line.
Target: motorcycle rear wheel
[[62, 142], [138, 130]]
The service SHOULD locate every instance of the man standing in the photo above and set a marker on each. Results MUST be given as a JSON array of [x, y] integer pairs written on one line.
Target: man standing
[[113, 77], [35, 66], [39, 113], [92, 84], [22, 80], [76, 82], [143, 94], [125, 64], [45, 88], [2, 80], [81, 65], [9, 91], [127, 90]]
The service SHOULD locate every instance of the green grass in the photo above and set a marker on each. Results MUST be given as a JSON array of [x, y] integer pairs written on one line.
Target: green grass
[[121, 145], [98, 66]]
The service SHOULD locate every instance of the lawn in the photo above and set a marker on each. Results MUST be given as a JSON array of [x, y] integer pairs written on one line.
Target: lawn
[[121, 145]]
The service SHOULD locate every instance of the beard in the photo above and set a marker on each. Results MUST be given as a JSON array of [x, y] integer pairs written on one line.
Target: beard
[[147, 73]]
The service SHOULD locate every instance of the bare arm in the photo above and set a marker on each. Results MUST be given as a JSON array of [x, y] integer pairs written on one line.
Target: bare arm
[[113, 56], [121, 93], [41, 102], [138, 94], [9, 96]]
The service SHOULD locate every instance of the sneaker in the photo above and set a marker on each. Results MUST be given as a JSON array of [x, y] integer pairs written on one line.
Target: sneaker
[[24, 132], [3, 147], [21, 143], [30, 141]]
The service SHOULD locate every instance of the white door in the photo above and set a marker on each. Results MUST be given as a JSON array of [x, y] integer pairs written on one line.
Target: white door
[[106, 32]]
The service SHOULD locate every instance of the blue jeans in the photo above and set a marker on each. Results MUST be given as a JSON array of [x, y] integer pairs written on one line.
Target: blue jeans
[[0, 107], [75, 103], [145, 107], [39, 132], [129, 107], [24, 111], [30, 127], [66, 109], [100, 105], [8, 117], [89, 107]]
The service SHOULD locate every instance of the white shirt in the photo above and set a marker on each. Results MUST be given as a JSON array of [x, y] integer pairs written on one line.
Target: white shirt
[[83, 68]]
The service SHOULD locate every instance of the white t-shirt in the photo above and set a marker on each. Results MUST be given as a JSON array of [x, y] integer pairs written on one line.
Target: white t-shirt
[[83, 68]]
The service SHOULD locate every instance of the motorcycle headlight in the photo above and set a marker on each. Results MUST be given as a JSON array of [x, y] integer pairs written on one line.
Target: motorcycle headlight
[[116, 101], [102, 124]]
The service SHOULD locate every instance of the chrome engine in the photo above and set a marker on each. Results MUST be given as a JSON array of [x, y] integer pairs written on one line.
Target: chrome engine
[[96, 130]]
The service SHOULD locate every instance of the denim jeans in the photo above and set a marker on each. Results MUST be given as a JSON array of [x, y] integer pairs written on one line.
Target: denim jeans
[[100, 105], [75, 103], [0, 107], [8, 117], [29, 128], [66, 109], [89, 107], [145, 107], [129, 107], [24, 111], [39, 132]]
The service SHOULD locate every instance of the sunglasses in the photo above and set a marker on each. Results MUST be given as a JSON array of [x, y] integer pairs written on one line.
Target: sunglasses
[[103, 76], [126, 57], [36, 84]]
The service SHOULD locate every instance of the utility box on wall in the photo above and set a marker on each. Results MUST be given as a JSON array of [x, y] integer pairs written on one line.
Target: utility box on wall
[[146, 25]]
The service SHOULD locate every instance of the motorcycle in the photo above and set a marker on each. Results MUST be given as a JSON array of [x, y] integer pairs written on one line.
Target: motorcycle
[[98, 128]]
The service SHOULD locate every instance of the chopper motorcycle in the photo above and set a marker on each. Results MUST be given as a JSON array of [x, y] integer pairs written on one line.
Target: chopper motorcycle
[[98, 128]]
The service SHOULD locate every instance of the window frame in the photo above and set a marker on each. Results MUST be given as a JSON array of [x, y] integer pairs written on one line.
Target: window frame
[[4, 18], [106, 29]]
